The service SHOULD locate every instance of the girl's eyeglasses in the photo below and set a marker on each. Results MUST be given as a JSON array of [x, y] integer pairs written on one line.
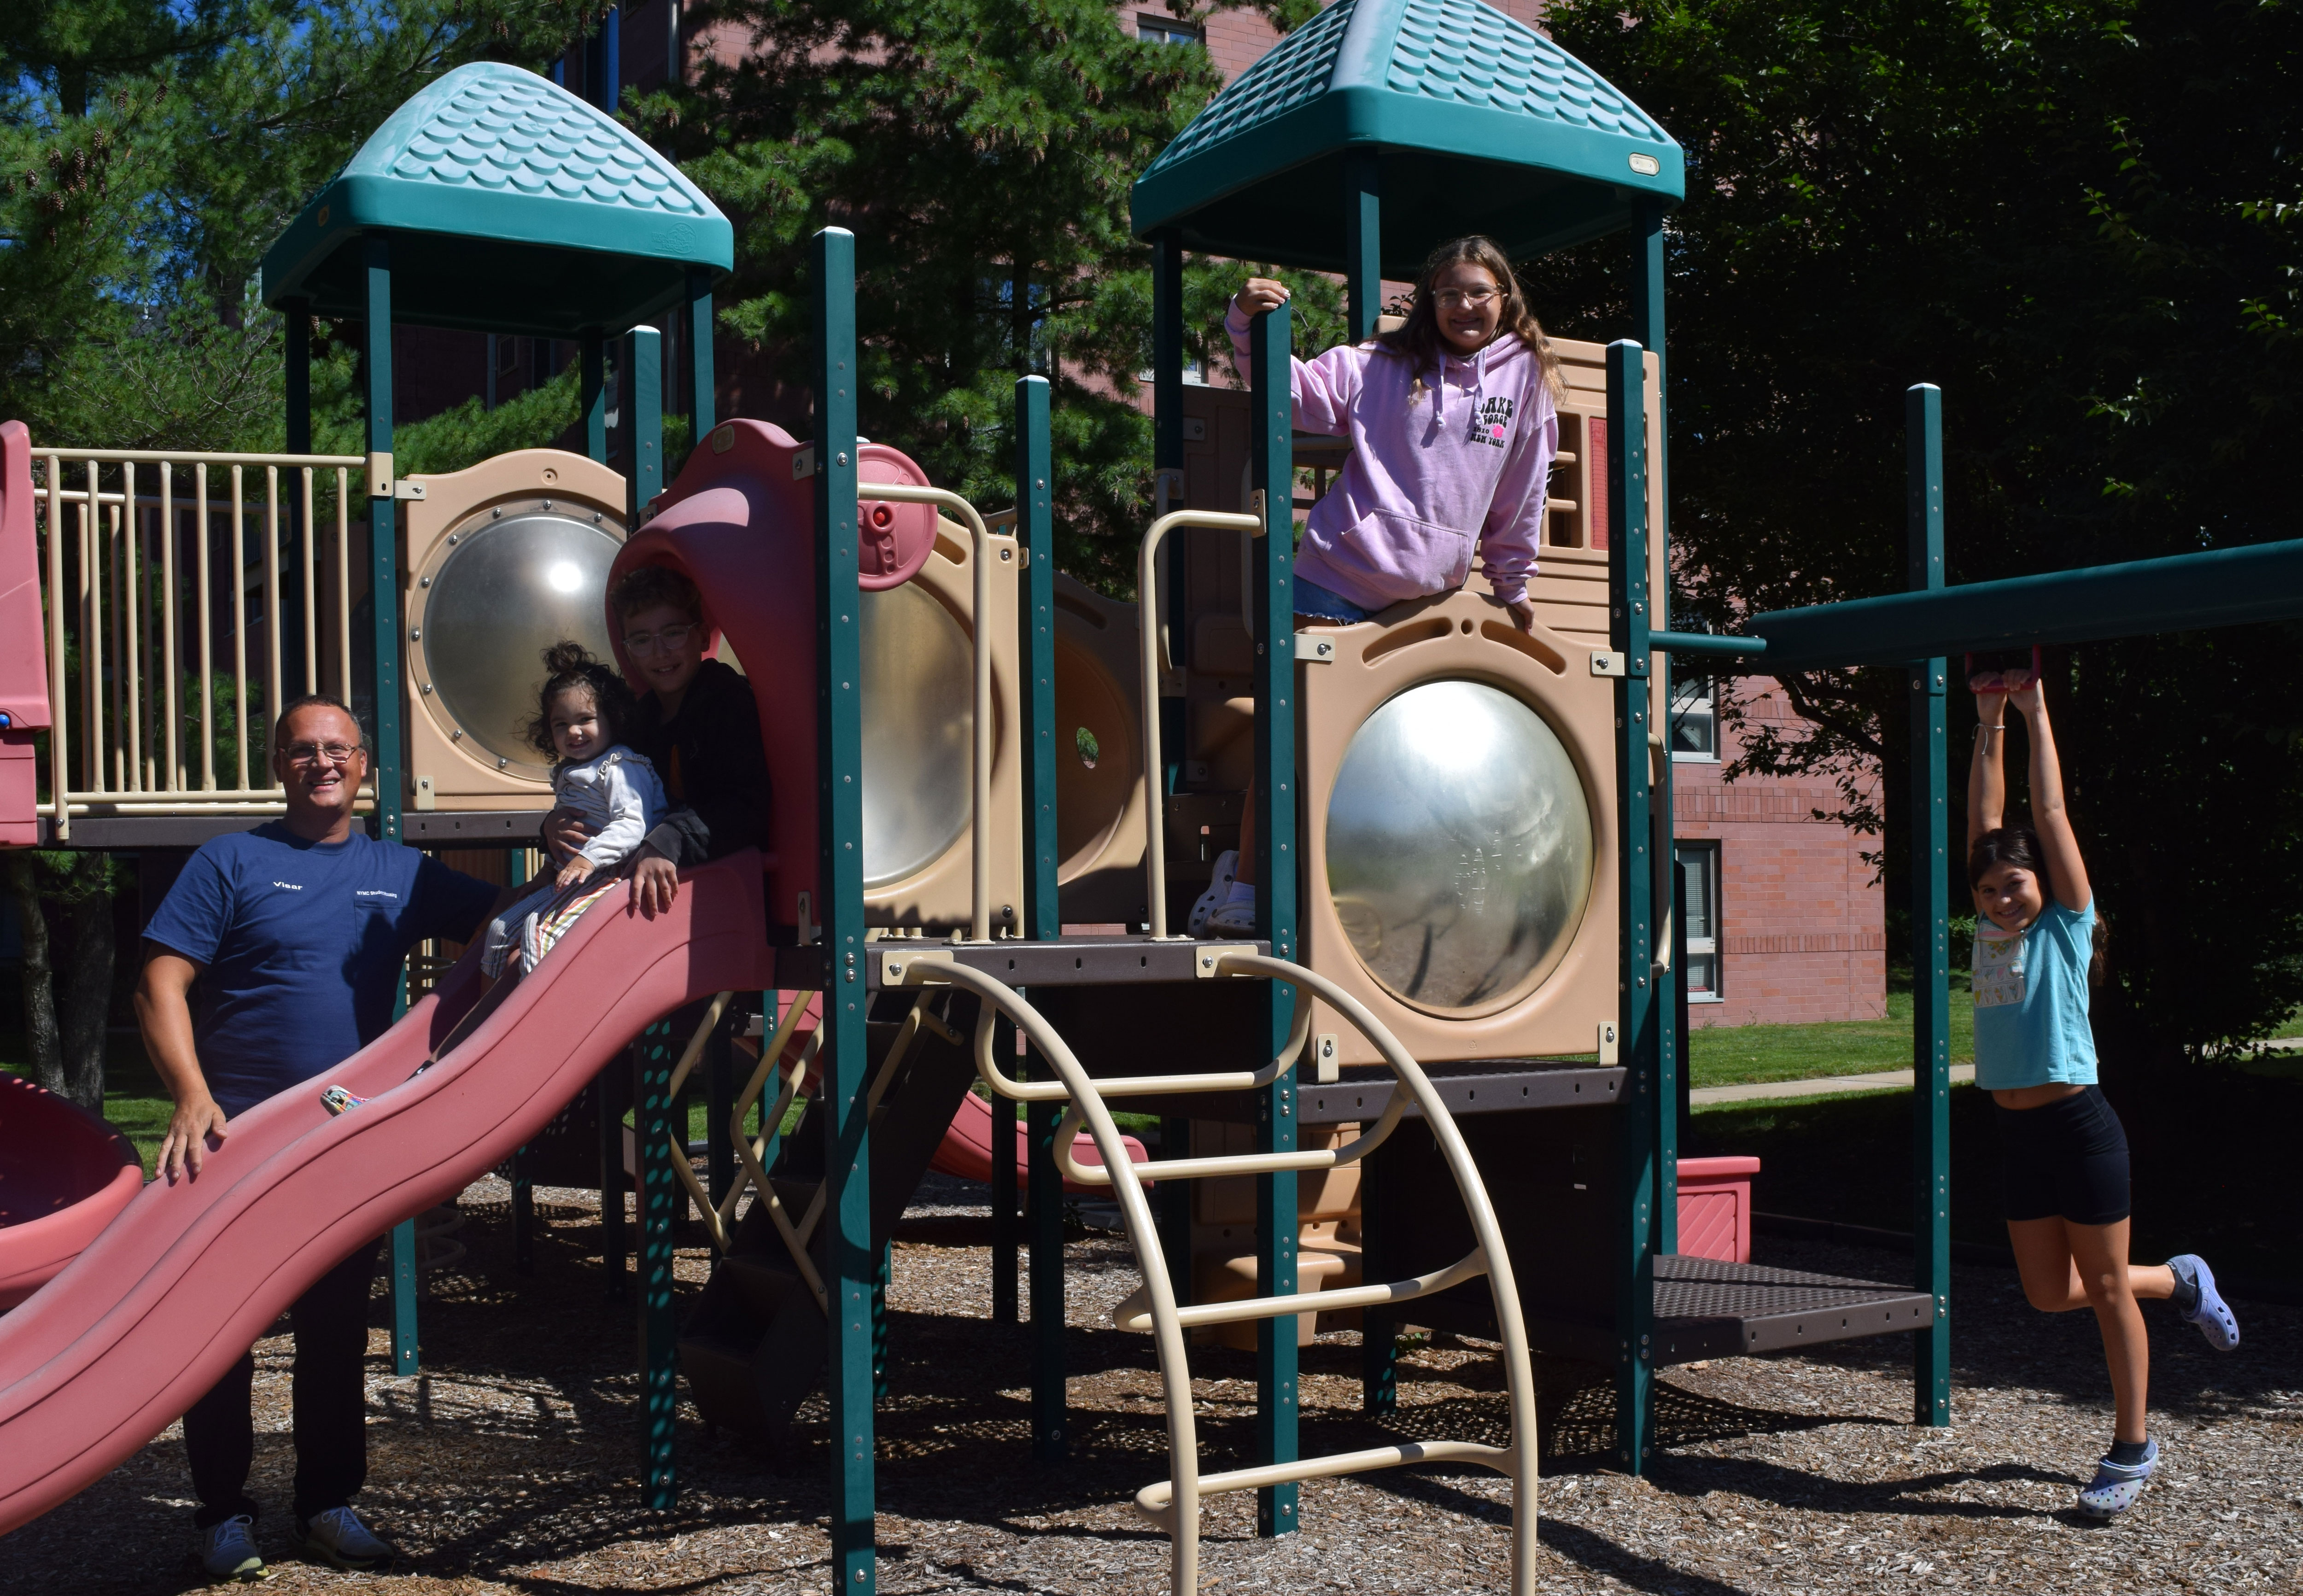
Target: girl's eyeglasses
[[673, 638], [1465, 299]]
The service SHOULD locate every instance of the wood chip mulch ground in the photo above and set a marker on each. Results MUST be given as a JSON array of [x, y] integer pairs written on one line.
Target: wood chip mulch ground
[[510, 1464]]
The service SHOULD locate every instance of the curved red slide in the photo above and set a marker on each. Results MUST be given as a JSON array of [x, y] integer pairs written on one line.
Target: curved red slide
[[966, 1150], [64, 1174], [138, 1328]]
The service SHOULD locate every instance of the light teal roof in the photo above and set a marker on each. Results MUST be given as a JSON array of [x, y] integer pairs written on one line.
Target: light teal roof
[[1478, 124], [513, 206]]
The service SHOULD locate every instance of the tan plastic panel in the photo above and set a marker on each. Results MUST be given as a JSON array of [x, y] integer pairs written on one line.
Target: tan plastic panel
[[442, 774], [1469, 636], [936, 899]]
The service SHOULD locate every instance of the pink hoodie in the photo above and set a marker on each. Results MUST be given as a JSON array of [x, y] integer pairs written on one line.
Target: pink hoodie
[[1466, 460]]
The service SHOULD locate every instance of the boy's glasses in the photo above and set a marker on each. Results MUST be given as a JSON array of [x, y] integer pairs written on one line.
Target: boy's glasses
[[673, 638], [304, 755], [1464, 298]]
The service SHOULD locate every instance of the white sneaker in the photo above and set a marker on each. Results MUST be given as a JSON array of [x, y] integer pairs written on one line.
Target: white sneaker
[[227, 1551], [1235, 918], [1220, 889], [337, 1536]]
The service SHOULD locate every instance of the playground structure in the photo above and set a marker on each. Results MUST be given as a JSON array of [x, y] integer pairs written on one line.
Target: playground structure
[[1459, 1075]]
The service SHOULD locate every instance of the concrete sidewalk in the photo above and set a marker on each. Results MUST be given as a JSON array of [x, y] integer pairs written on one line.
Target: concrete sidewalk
[[1885, 1080]]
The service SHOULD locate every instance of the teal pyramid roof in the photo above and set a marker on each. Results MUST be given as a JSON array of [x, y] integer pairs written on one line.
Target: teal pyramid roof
[[511, 205], [1476, 121]]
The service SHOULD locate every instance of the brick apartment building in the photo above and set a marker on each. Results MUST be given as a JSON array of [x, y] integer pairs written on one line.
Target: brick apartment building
[[1785, 923]]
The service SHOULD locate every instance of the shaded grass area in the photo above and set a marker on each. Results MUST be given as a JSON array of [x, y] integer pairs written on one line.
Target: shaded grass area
[[1732, 1055], [2210, 1146]]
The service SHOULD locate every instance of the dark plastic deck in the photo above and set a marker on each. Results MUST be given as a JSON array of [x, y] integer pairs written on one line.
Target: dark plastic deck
[[1707, 1309]]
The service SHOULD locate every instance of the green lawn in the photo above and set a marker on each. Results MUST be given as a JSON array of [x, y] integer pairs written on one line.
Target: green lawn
[[1730, 1055]]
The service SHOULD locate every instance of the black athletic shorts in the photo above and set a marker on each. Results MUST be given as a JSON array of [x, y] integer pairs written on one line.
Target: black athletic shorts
[[2067, 1159]]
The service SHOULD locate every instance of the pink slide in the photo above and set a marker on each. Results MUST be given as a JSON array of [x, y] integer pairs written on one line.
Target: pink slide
[[138, 1328], [64, 1174], [966, 1150]]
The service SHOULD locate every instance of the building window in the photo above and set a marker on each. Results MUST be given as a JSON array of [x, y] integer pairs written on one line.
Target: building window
[[1695, 726], [1698, 881], [1153, 30]]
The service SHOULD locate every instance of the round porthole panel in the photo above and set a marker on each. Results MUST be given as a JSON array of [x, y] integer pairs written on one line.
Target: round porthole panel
[[1459, 848], [919, 715], [506, 591]]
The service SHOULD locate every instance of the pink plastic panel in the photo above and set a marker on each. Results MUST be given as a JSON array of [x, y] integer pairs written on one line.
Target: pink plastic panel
[[135, 1330], [63, 1175], [1715, 1208], [24, 654]]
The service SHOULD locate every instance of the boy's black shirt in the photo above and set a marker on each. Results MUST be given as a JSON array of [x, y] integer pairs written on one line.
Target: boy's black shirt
[[724, 801]]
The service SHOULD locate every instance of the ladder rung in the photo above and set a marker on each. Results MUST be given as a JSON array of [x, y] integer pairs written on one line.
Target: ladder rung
[[1234, 1163], [1469, 1266], [1155, 1500], [1144, 1085]]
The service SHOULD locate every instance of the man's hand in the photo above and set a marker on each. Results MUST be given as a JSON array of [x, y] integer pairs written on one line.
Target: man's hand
[[563, 834], [195, 1121], [1523, 612], [656, 882]]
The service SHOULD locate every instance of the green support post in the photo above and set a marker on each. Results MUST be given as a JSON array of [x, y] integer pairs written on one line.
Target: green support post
[[1034, 468], [1363, 241], [1379, 1327], [612, 1086], [1647, 316], [719, 1106], [592, 394], [1629, 621], [383, 589], [839, 764], [1271, 459], [702, 389], [1050, 1437], [647, 420], [658, 1327], [1930, 930]]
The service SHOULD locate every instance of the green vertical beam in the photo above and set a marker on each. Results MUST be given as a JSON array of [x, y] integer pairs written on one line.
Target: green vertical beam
[[1930, 929], [1363, 241], [1271, 407], [1379, 1327], [1043, 918], [720, 1106], [610, 1089], [659, 1190], [1168, 469], [647, 419], [1051, 1435], [701, 380], [1629, 623], [1646, 286], [592, 394], [840, 767]]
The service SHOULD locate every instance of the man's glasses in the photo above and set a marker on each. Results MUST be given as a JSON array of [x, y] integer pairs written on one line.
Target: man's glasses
[[1465, 299], [672, 638], [304, 755]]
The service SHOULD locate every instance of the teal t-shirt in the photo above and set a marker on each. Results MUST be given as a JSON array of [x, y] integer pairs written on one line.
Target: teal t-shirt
[[2031, 1001]]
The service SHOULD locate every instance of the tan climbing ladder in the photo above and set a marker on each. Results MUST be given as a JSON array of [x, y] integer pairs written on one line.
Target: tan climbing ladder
[[1174, 1503]]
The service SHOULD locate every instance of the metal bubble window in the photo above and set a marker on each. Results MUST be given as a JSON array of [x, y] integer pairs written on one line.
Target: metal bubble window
[[1459, 848], [919, 717]]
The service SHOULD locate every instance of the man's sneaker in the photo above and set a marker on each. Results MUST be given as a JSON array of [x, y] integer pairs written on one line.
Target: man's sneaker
[[337, 1536], [2208, 1311], [227, 1551], [1218, 889], [2116, 1485], [1235, 918]]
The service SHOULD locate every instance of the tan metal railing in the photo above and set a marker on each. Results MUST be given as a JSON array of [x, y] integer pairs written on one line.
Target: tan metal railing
[[1174, 1503], [1147, 563], [138, 545]]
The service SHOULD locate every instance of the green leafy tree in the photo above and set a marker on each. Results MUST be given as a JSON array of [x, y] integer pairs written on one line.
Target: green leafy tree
[[981, 151], [2079, 218]]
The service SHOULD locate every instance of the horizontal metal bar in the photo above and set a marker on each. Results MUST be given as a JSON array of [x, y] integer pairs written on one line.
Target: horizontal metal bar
[[484, 828], [194, 457], [1489, 1092], [1083, 961], [1706, 643], [1470, 1267], [2180, 593], [1155, 1498]]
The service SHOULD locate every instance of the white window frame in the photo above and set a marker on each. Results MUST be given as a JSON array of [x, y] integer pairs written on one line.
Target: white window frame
[[1684, 852], [1153, 29], [1704, 701]]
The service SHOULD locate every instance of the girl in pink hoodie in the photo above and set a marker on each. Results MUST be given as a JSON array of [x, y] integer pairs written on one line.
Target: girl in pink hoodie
[[1454, 422]]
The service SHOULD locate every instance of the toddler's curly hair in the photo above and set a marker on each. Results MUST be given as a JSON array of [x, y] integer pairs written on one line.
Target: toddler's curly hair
[[569, 665]]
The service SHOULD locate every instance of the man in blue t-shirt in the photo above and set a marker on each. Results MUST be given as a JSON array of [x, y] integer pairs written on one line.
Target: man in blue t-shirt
[[274, 957]]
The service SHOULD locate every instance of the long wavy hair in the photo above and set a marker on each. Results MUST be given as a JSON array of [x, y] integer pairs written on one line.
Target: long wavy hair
[[2019, 846], [1420, 341], [569, 666]]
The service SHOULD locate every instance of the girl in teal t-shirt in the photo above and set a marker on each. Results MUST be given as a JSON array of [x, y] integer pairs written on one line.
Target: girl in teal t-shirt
[[2063, 1168]]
